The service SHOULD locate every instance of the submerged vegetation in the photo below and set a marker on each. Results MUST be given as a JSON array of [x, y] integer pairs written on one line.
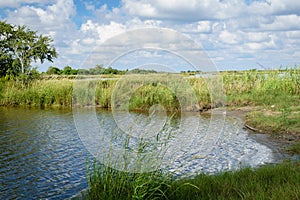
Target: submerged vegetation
[[279, 181]]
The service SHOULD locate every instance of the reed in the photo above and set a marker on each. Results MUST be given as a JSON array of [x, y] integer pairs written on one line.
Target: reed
[[279, 181], [279, 89], [37, 93]]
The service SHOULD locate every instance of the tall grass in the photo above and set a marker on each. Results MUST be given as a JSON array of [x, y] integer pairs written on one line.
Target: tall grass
[[37, 93], [279, 181], [108, 183], [279, 89]]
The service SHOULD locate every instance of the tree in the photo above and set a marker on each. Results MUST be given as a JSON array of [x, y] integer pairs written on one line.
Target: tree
[[20, 46], [69, 71], [53, 70]]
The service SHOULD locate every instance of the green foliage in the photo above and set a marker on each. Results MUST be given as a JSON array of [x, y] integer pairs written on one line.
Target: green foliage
[[280, 88], [108, 183], [280, 181], [20, 46], [268, 182], [294, 148], [66, 71], [142, 71], [53, 70], [99, 69], [37, 93]]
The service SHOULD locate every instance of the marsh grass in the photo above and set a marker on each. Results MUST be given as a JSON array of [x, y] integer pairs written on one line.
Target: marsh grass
[[37, 93], [282, 121], [279, 89], [279, 181], [108, 183], [294, 148]]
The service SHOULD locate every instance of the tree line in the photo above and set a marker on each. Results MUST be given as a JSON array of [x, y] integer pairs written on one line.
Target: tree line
[[98, 69], [20, 46]]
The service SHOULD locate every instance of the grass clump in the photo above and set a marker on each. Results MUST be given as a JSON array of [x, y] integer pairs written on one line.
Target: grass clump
[[280, 88], [283, 121], [280, 181], [294, 148], [37, 93], [108, 183]]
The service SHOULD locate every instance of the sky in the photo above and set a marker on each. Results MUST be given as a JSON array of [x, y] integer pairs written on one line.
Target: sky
[[234, 34]]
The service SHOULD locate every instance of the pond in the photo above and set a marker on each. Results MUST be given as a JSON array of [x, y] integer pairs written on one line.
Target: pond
[[44, 152]]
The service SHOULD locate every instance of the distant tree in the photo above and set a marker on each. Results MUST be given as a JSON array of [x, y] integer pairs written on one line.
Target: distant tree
[[142, 71], [83, 71], [69, 71], [98, 69], [19, 46], [53, 70]]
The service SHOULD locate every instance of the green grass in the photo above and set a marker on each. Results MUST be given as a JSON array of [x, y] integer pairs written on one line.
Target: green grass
[[280, 89], [294, 148], [277, 91], [281, 181], [277, 88], [283, 121], [37, 93], [107, 183]]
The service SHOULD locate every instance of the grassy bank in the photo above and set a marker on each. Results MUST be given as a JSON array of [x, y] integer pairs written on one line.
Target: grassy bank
[[279, 89], [268, 182], [277, 93]]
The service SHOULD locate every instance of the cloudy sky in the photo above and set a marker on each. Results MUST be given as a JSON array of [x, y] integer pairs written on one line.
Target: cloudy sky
[[235, 34]]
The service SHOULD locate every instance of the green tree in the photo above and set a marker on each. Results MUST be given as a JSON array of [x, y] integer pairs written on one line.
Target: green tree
[[20, 46], [69, 71], [53, 70]]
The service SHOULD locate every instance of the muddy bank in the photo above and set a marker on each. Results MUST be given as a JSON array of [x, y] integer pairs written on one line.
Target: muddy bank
[[277, 141]]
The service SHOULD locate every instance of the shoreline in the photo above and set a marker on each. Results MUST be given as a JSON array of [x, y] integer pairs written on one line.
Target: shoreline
[[284, 138]]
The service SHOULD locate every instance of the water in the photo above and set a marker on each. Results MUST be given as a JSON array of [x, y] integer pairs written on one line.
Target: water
[[43, 156]]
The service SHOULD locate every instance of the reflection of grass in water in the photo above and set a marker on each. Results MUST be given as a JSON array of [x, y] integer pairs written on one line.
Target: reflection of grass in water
[[268, 182], [271, 182]]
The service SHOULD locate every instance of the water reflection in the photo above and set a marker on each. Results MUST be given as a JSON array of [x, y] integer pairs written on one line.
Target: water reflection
[[42, 155]]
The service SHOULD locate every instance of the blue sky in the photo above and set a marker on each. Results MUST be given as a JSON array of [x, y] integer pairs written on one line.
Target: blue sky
[[235, 34]]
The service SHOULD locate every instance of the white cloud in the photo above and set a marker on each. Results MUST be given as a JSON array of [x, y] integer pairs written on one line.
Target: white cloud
[[54, 20], [185, 10], [231, 31], [282, 23], [54, 17], [229, 38], [257, 36], [102, 31], [17, 3]]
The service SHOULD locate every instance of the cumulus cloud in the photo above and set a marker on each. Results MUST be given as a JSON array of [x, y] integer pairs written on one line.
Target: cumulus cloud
[[231, 31], [53, 19], [189, 10], [17, 3]]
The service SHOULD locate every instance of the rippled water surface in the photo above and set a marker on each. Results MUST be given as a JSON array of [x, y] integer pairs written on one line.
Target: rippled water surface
[[42, 155]]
